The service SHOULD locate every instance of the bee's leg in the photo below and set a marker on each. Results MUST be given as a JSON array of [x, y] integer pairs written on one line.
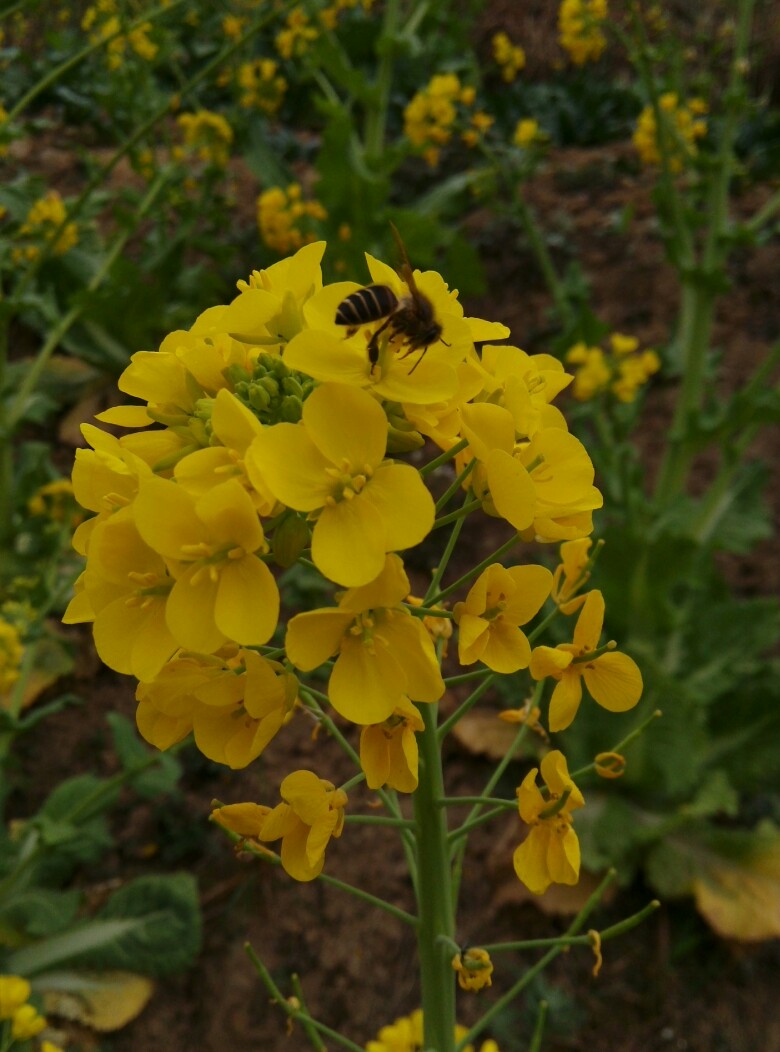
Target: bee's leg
[[373, 343], [418, 360]]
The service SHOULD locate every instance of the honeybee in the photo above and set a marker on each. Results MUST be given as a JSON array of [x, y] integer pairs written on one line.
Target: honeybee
[[411, 317]]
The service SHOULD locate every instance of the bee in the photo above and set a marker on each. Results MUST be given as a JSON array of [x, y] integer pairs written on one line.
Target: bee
[[411, 317]]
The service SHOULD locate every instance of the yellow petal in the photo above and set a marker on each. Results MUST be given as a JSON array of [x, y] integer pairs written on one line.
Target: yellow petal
[[563, 856], [366, 686], [314, 636], [159, 729], [533, 585], [125, 416], [404, 504], [512, 489], [247, 601], [549, 661], [565, 701], [348, 542], [190, 612], [229, 515], [472, 638], [614, 680], [588, 628], [507, 649], [326, 357], [346, 425], [530, 860], [375, 756], [289, 464]]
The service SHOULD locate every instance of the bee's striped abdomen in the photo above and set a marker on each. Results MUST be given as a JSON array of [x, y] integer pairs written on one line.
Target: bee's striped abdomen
[[365, 305]]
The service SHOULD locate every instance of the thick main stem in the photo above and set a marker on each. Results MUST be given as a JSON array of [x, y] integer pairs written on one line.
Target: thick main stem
[[434, 894]]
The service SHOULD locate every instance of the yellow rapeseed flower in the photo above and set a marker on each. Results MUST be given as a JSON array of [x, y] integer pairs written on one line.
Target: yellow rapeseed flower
[[207, 135], [406, 1035], [500, 600], [332, 465], [14, 992], [42, 224], [383, 653], [613, 679], [474, 969], [11, 652], [580, 31], [311, 813], [508, 56], [526, 133], [683, 126], [550, 853]]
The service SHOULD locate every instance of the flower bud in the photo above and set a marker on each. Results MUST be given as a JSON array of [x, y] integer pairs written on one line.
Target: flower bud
[[291, 536]]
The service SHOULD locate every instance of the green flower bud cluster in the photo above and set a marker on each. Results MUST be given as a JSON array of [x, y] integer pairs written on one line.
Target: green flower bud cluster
[[274, 393]]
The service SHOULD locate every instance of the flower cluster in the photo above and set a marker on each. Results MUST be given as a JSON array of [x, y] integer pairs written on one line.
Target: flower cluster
[[25, 1020], [526, 133], [281, 433], [683, 126], [580, 29], [297, 36], [102, 21], [207, 135], [509, 57], [261, 86], [44, 226], [443, 108], [285, 220], [622, 370], [406, 1035], [11, 651]]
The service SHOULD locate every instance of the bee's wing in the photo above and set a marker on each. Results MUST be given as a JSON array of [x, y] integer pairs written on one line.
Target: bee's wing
[[405, 270]]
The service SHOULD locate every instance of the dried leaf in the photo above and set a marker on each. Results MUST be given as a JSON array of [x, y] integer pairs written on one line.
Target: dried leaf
[[104, 1000], [482, 733], [740, 899]]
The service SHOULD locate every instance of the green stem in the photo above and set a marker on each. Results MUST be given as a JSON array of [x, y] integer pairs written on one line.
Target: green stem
[[453, 516], [473, 823], [515, 990], [434, 600], [466, 706], [379, 98], [629, 738], [267, 855], [379, 820], [538, 1034], [444, 458], [305, 1018], [296, 1014], [447, 496], [434, 893], [612, 932], [441, 569]]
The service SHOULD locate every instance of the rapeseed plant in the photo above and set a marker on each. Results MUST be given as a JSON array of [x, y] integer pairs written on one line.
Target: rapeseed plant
[[279, 440]]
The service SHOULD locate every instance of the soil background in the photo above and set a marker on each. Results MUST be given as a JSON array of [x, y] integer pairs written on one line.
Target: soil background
[[670, 984]]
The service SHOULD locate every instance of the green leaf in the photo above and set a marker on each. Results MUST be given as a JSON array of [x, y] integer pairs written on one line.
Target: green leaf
[[161, 778], [168, 935], [38, 912]]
